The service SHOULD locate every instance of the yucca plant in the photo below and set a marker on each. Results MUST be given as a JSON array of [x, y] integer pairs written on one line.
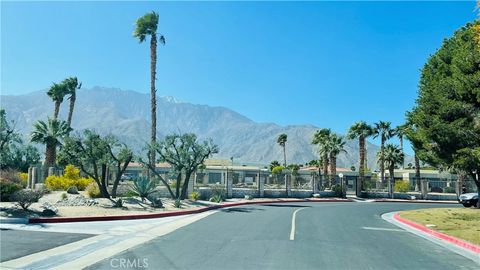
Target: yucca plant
[[143, 187]]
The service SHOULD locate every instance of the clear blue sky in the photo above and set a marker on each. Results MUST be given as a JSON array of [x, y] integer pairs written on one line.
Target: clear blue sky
[[323, 63]]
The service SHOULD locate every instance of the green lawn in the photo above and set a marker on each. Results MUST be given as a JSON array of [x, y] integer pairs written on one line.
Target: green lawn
[[462, 223]]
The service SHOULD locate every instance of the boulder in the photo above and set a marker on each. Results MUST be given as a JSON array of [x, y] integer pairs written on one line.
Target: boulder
[[72, 190]]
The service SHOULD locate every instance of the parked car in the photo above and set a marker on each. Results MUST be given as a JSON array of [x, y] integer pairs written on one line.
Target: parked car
[[468, 199]]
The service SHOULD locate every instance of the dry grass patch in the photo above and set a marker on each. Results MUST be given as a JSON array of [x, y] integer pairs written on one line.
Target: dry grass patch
[[458, 222]]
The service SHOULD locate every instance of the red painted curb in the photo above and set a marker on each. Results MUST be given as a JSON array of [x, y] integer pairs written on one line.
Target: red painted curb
[[448, 238], [170, 214]]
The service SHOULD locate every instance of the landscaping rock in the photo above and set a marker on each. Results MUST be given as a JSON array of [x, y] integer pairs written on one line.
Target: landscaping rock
[[316, 195], [157, 202], [48, 213], [49, 209], [72, 190], [77, 201]]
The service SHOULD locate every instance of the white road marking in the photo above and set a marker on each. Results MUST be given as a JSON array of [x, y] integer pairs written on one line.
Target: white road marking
[[292, 231], [382, 229]]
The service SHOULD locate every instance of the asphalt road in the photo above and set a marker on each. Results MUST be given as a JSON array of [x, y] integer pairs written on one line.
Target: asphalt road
[[15, 243], [326, 236]]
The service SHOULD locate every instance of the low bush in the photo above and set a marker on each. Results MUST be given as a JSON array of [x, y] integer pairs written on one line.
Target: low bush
[[194, 196], [24, 178], [216, 198], [219, 191], [449, 190], [26, 197], [401, 186], [143, 187], [64, 196], [178, 203], [93, 190], [14, 177], [338, 190], [7, 189], [70, 177]]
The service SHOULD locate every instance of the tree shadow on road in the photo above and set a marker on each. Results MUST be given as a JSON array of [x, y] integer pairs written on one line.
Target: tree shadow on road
[[286, 205], [241, 210]]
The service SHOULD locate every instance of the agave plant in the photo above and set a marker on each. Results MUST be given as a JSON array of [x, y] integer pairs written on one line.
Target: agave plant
[[143, 187]]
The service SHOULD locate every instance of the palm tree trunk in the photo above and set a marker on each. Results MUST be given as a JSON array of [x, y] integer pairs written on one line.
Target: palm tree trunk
[[50, 153], [361, 169], [153, 95], [417, 172], [333, 169], [70, 111], [57, 110], [382, 160], [284, 157], [401, 147], [391, 171], [325, 167]]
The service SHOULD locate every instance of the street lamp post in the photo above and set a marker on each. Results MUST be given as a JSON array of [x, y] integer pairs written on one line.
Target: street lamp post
[[342, 185]]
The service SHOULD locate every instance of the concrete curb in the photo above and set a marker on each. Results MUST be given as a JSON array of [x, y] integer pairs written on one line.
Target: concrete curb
[[445, 237], [414, 201], [173, 213], [467, 253]]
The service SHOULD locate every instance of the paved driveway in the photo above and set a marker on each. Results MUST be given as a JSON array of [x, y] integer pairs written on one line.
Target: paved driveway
[[19, 243]]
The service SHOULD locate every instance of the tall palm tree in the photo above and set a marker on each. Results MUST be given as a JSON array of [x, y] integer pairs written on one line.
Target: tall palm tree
[[400, 133], [282, 140], [72, 85], [321, 138], [385, 131], [147, 26], [51, 134], [335, 145], [57, 92], [360, 130], [392, 156]]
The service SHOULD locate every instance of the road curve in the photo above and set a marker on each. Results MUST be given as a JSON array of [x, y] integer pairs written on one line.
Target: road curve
[[327, 236]]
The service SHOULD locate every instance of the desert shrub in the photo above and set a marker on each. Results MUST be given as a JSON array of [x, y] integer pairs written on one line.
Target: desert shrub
[[449, 190], [24, 178], [64, 196], [216, 198], [26, 197], [143, 187], [219, 192], [7, 189], [338, 190], [70, 177], [93, 190], [401, 186], [194, 196], [13, 176], [177, 203]]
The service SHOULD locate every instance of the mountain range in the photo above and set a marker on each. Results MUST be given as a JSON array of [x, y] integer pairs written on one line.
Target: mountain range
[[126, 114]]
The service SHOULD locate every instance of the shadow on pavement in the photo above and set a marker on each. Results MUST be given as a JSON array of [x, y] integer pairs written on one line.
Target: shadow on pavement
[[285, 205], [241, 210]]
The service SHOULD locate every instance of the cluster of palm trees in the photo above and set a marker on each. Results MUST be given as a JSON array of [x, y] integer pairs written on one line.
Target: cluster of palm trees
[[330, 145], [51, 132]]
